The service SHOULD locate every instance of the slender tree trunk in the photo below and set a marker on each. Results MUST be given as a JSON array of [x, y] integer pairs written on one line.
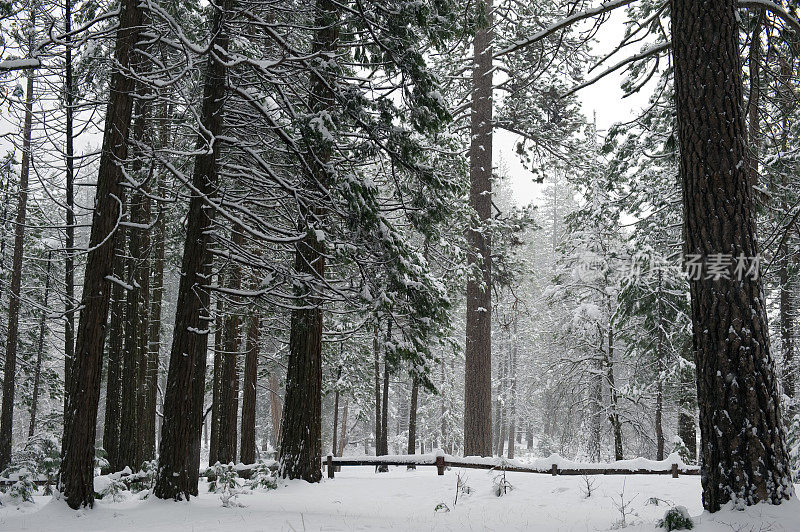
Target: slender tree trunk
[[180, 431], [301, 442], [216, 384], [512, 403], [478, 366], [248, 445], [377, 371], [76, 480], [596, 409], [412, 418], [743, 444], [275, 408], [69, 230], [687, 408], [616, 425], [40, 350], [659, 373], [229, 392], [154, 327], [12, 334], [113, 415], [343, 438], [336, 412]]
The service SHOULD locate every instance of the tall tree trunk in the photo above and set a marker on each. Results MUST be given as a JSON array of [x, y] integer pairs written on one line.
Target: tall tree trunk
[[743, 444], [113, 415], [37, 375], [216, 383], [275, 408], [336, 412], [377, 372], [247, 449], [301, 442], [229, 392], [753, 102], [343, 437], [129, 424], [659, 371], [478, 353], [69, 230], [180, 431], [412, 418], [12, 334], [512, 403], [76, 479], [154, 327]]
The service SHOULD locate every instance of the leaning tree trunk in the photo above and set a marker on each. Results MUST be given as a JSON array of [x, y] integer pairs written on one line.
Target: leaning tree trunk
[[743, 445], [113, 416], [247, 449], [301, 442], [182, 421], [12, 334], [478, 352], [76, 479]]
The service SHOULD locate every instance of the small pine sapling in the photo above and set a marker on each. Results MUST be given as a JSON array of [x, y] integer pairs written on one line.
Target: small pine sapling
[[263, 478], [676, 518], [225, 482]]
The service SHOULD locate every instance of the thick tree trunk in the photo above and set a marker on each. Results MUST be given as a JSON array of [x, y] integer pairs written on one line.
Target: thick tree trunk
[[743, 447], [177, 476], [301, 442], [76, 479], [247, 449], [113, 415], [12, 333], [154, 328], [478, 353], [37, 374]]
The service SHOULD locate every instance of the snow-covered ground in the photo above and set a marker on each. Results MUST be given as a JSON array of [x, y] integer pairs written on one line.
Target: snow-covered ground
[[359, 499]]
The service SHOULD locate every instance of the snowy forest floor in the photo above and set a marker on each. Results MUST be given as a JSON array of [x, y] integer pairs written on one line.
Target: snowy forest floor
[[359, 499]]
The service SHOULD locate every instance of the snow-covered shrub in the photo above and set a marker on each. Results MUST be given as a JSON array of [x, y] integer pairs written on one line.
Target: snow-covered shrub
[[114, 490], [225, 482], [263, 478], [441, 507], [101, 459], [23, 489], [676, 518], [145, 479]]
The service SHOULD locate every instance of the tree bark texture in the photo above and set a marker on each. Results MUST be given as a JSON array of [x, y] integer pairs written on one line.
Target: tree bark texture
[[478, 353], [743, 447]]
